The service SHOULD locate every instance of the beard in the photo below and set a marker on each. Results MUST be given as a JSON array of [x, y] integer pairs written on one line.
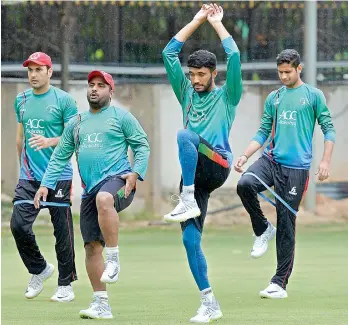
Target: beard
[[97, 102], [205, 88]]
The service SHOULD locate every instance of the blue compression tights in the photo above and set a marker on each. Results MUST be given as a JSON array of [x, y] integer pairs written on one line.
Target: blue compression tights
[[191, 238], [188, 143]]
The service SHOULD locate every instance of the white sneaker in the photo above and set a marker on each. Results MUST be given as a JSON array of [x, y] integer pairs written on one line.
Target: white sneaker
[[111, 269], [35, 285], [98, 309], [63, 294], [273, 291], [208, 311], [261, 242], [185, 210]]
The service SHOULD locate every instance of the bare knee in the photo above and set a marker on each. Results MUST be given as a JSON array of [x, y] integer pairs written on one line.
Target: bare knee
[[93, 249], [104, 201]]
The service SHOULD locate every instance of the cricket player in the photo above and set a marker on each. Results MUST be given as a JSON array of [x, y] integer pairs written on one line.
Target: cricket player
[[100, 138], [42, 112], [204, 151], [289, 118]]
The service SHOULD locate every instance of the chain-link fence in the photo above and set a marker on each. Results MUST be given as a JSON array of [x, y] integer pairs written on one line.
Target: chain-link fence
[[135, 32]]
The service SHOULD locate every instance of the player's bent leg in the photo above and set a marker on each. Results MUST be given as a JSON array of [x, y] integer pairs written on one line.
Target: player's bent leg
[[109, 201], [261, 242], [187, 206], [188, 143], [22, 219], [109, 225], [108, 218], [247, 189]]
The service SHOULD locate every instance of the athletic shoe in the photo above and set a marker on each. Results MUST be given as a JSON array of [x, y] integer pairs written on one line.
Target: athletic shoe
[[111, 269], [63, 294], [185, 210], [273, 291], [35, 285], [261, 242], [208, 311], [98, 309]]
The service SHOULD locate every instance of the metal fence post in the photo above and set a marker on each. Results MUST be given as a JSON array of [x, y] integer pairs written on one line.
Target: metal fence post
[[310, 55]]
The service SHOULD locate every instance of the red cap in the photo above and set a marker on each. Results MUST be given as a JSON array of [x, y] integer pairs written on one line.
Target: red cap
[[99, 73], [39, 58]]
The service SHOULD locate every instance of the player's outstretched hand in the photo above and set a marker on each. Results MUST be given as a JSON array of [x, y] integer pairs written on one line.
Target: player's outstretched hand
[[240, 162], [202, 15], [42, 192], [38, 142], [323, 171], [131, 179], [215, 15]]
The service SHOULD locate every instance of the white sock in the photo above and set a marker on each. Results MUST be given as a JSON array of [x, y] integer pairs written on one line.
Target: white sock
[[100, 294], [189, 192], [111, 250], [208, 293]]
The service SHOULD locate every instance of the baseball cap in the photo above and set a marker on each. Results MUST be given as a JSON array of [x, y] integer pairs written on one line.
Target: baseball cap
[[99, 73], [39, 58]]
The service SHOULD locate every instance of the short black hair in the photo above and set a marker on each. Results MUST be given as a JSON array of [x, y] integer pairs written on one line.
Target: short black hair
[[202, 59], [289, 56]]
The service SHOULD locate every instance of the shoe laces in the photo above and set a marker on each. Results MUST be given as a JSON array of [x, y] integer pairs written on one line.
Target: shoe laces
[[99, 304], [205, 308], [64, 291], [177, 198], [35, 282], [95, 301], [111, 263], [181, 206], [260, 240]]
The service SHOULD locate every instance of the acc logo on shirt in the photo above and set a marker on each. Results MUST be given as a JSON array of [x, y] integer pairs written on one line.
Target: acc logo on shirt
[[93, 137], [35, 124], [288, 115], [288, 118], [92, 140]]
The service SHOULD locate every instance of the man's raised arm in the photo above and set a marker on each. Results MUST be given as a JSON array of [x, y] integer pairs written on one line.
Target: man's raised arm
[[233, 73], [170, 54]]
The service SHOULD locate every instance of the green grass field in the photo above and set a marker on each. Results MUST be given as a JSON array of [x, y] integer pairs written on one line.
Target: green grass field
[[156, 286]]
